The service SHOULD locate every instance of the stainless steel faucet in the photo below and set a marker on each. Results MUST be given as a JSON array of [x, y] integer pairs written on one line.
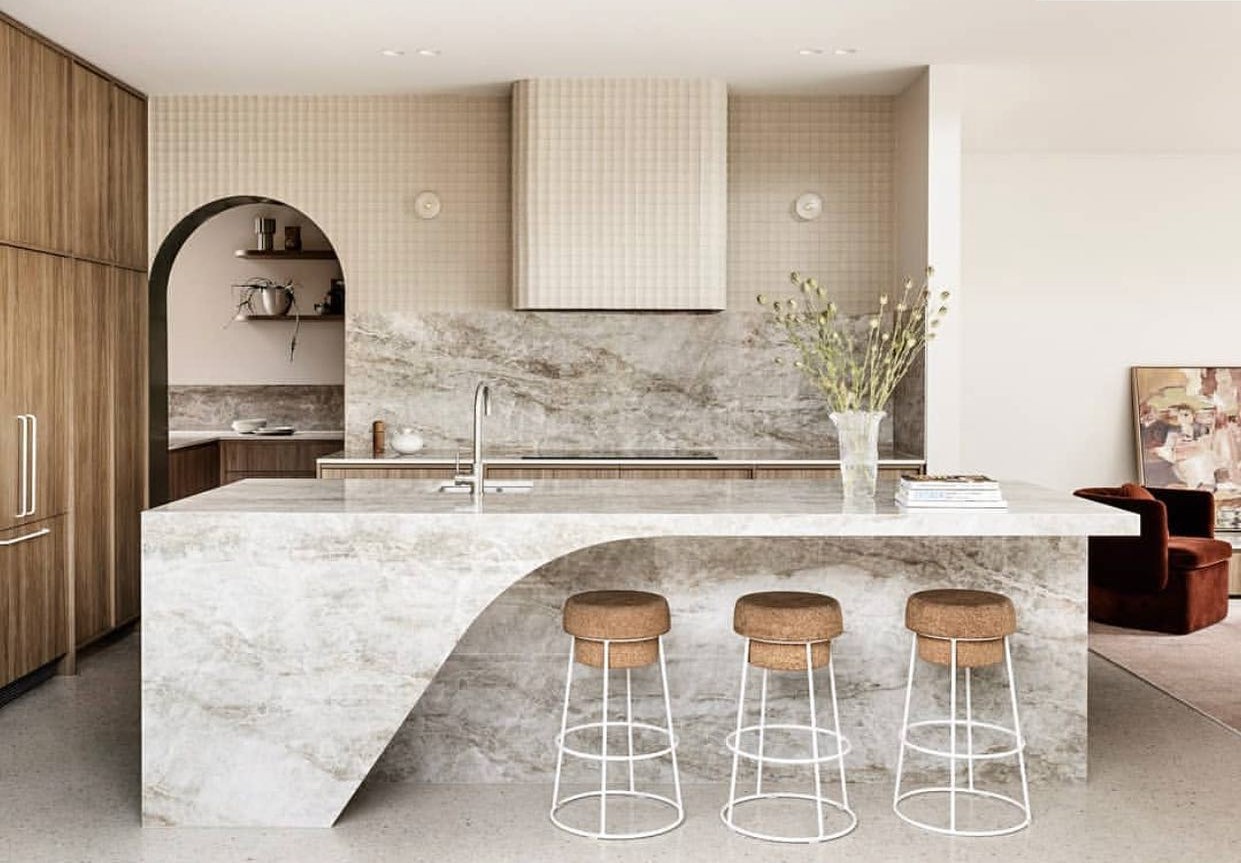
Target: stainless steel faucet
[[474, 479]]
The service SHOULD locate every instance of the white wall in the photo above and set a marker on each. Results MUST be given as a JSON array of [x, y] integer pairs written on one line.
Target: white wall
[[205, 346], [1088, 251]]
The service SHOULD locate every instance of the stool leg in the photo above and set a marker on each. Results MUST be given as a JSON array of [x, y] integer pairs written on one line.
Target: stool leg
[[732, 783], [1021, 743], [840, 745], [629, 725], [952, 732], [676, 773], [814, 744], [603, 765], [969, 731], [762, 733], [909, 688], [564, 724]]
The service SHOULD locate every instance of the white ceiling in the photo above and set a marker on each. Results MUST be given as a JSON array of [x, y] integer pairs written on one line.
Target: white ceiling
[[332, 46]]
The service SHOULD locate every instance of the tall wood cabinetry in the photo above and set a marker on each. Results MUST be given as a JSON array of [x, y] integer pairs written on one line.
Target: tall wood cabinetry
[[107, 326], [34, 482], [72, 351]]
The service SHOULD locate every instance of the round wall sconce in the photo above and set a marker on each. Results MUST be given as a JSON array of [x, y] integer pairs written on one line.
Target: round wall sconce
[[427, 205], [808, 206]]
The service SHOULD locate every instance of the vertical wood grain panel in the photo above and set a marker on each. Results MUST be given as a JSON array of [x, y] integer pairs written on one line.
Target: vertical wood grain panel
[[40, 286], [93, 317], [129, 448], [34, 142], [127, 180], [92, 223]]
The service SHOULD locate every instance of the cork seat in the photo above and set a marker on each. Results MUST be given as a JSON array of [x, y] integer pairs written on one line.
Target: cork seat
[[632, 620], [779, 625], [936, 615]]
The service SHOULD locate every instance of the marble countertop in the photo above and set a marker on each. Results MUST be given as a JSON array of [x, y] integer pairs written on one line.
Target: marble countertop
[[183, 439], [734, 507], [519, 458]]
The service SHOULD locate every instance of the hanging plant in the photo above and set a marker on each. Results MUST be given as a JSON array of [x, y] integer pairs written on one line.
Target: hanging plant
[[263, 297]]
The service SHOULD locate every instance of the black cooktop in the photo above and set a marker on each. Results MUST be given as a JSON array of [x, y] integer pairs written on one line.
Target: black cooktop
[[627, 454]]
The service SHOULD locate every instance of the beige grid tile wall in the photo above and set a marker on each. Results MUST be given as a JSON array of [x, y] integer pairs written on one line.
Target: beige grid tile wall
[[620, 193], [354, 165], [841, 147]]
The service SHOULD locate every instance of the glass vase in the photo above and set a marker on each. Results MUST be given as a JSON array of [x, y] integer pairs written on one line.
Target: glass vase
[[858, 434]]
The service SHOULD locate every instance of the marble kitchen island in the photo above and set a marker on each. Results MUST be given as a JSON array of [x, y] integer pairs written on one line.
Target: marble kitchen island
[[291, 626]]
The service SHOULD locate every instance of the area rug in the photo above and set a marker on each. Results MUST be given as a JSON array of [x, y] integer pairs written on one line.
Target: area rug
[[1202, 669]]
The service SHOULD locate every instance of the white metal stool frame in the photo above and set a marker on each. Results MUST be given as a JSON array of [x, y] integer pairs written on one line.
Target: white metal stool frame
[[969, 756], [604, 758], [842, 748]]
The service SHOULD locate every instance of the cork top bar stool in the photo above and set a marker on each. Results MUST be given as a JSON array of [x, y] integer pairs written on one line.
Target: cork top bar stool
[[616, 629], [962, 629], [788, 631]]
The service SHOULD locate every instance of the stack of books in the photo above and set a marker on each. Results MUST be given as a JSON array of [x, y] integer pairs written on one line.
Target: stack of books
[[949, 491]]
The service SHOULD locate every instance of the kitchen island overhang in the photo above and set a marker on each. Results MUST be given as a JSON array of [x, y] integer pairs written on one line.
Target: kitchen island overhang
[[290, 626]]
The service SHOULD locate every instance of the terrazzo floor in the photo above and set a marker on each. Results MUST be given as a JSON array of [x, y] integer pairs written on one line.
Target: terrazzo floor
[[1164, 787]]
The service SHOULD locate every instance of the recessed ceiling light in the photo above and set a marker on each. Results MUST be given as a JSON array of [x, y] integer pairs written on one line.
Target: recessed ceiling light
[[810, 52], [844, 52], [392, 52], [428, 52]]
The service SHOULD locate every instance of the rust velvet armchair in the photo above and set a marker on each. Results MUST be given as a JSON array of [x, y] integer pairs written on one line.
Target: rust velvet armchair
[[1174, 576]]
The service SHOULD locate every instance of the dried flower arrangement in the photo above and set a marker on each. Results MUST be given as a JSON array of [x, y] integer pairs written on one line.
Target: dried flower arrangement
[[856, 370]]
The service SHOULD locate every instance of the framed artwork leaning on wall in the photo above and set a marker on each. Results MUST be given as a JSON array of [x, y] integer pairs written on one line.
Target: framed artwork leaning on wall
[[1187, 424]]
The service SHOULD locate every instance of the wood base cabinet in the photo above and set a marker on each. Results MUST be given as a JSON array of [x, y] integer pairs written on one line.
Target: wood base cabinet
[[33, 597]]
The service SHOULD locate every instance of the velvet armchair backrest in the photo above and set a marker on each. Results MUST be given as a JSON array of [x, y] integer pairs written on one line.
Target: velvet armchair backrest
[[1134, 564]]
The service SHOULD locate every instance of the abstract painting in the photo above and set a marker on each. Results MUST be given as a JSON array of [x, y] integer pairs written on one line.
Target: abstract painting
[[1189, 435]]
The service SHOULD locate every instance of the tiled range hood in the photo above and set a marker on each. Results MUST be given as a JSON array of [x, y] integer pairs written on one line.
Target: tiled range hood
[[619, 194]]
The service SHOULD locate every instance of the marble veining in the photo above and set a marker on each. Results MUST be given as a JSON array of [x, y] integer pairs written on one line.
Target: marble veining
[[589, 380], [303, 406], [282, 654]]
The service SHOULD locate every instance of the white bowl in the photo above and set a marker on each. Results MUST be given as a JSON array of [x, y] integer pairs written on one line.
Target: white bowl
[[406, 441], [249, 425]]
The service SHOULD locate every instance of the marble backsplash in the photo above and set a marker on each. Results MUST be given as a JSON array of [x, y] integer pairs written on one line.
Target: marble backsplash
[[213, 408], [590, 381]]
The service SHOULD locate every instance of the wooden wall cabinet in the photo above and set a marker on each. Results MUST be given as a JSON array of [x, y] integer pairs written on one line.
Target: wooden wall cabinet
[[127, 180], [92, 103], [109, 193], [33, 597], [34, 137], [72, 348]]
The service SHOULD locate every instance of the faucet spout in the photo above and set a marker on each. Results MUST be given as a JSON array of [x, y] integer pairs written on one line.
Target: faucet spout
[[482, 407]]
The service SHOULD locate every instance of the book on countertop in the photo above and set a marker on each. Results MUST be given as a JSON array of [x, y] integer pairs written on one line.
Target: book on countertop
[[961, 494], [945, 481], [921, 503]]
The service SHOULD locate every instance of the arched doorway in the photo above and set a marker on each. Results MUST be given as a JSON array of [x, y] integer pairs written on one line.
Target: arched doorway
[[165, 276]]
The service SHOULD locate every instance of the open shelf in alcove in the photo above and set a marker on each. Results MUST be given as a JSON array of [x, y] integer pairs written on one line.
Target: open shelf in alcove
[[281, 255]]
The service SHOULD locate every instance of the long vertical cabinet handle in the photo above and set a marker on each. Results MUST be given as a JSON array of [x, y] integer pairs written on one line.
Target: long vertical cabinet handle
[[24, 455], [34, 463]]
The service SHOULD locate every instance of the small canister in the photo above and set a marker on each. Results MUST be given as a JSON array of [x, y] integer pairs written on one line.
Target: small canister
[[378, 438]]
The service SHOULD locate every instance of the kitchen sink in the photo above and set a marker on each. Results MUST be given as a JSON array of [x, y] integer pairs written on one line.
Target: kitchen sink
[[512, 486]]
